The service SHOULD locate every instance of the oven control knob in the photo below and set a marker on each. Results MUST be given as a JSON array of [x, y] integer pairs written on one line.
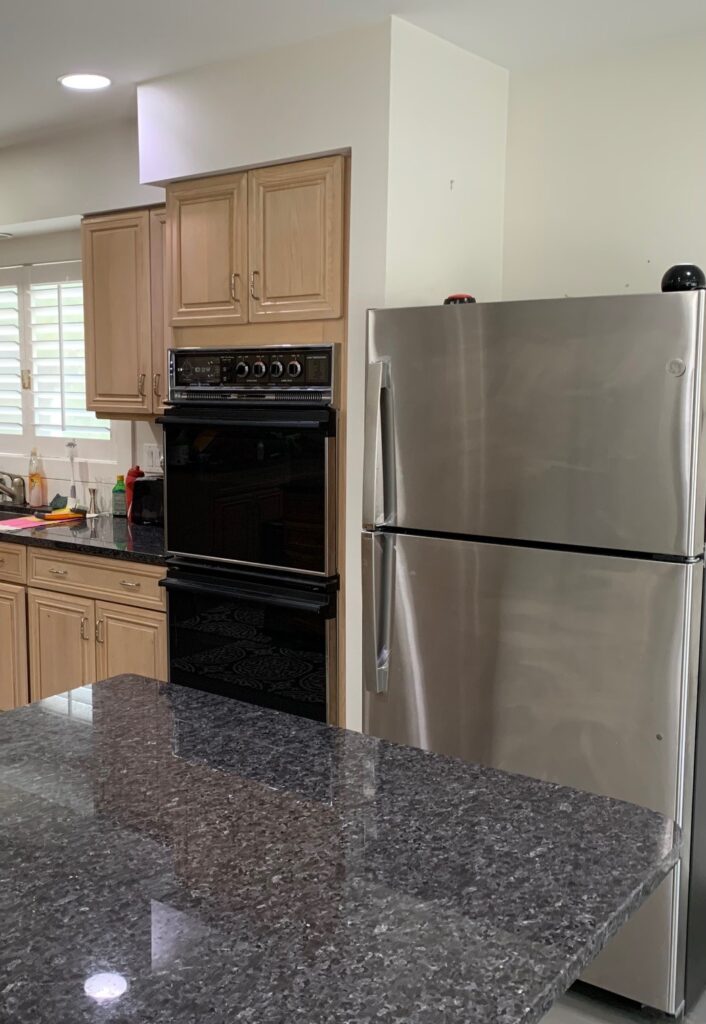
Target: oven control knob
[[242, 369], [276, 368], [258, 368], [294, 368]]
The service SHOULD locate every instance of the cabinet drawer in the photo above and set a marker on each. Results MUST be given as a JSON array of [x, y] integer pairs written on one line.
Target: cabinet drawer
[[13, 563], [88, 576]]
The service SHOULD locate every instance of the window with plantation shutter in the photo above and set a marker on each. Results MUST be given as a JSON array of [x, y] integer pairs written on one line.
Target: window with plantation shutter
[[10, 360], [42, 365], [58, 363]]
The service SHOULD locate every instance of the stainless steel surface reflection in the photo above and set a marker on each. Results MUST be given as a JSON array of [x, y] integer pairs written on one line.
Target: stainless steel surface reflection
[[555, 421]]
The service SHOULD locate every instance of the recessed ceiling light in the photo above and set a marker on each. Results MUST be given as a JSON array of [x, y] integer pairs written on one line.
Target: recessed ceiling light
[[84, 82]]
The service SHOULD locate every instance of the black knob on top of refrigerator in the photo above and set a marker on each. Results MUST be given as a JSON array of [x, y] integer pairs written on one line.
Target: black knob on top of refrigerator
[[683, 277], [294, 368], [276, 368], [242, 369], [258, 368]]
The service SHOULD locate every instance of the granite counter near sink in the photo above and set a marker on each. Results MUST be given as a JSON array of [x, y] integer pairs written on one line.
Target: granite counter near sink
[[221, 863], [106, 536]]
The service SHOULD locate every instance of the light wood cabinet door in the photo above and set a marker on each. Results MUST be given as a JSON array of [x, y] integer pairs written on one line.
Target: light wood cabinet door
[[62, 647], [161, 327], [117, 310], [131, 641], [207, 233], [295, 214], [14, 682]]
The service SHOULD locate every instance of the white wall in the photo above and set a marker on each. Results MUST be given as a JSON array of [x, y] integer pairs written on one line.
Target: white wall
[[446, 192], [40, 248], [325, 95], [606, 174], [72, 173]]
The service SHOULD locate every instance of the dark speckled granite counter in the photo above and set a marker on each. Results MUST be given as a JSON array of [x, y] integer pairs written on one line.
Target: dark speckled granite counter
[[105, 536], [238, 865]]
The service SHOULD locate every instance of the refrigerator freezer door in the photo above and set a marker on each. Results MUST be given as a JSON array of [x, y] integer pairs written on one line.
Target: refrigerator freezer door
[[567, 666], [568, 421]]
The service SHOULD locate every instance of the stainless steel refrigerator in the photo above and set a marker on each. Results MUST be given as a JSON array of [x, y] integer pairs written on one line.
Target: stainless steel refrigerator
[[534, 506]]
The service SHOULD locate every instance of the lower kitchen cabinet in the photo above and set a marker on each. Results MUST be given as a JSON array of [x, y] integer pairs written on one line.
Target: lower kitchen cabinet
[[62, 648], [130, 640], [14, 688]]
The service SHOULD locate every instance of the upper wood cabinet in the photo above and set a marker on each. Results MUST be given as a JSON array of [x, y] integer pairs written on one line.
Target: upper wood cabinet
[[296, 240], [117, 309], [208, 250], [124, 308], [257, 246], [161, 332]]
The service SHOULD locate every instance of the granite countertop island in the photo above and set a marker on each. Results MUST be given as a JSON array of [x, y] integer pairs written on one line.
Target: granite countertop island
[[214, 862], [106, 536]]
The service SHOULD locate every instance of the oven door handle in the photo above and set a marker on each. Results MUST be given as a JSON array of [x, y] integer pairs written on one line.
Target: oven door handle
[[277, 598], [195, 421]]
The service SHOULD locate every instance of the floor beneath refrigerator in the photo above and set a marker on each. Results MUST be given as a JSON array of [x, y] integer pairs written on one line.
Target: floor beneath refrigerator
[[582, 1005]]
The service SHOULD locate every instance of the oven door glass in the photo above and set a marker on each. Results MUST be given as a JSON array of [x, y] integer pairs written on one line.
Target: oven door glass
[[250, 490], [266, 645]]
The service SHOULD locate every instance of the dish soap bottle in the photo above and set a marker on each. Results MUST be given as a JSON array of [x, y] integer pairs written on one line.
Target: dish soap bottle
[[36, 489], [119, 498]]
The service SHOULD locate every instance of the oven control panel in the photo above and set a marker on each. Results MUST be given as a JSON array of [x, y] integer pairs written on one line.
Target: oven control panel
[[252, 374]]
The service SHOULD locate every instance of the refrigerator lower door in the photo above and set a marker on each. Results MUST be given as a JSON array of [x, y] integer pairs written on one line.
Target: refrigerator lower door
[[571, 667]]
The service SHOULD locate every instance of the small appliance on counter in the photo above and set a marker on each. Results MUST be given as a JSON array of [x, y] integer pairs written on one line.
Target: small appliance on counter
[[250, 520], [147, 507]]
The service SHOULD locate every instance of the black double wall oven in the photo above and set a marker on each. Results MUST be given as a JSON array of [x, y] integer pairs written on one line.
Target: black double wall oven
[[250, 520]]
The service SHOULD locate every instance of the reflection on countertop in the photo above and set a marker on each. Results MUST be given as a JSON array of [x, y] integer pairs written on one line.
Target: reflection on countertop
[[206, 860], [105, 535]]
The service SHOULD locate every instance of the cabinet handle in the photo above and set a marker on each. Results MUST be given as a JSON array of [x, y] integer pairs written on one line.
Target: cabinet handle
[[84, 628], [253, 275], [234, 279], [99, 631], [155, 385], [59, 572], [130, 586], [141, 384]]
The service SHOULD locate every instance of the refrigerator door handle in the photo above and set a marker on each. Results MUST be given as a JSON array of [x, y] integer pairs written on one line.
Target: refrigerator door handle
[[378, 608], [378, 475]]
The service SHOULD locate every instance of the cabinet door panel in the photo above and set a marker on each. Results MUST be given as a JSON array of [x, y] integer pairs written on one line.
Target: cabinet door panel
[[207, 231], [117, 306], [161, 328], [62, 647], [296, 240], [130, 641], [14, 689]]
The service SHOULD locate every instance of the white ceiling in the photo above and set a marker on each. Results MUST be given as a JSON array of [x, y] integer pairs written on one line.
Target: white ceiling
[[134, 40]]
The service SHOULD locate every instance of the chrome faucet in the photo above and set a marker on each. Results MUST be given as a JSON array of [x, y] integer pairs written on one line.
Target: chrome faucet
[[15, 493]]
